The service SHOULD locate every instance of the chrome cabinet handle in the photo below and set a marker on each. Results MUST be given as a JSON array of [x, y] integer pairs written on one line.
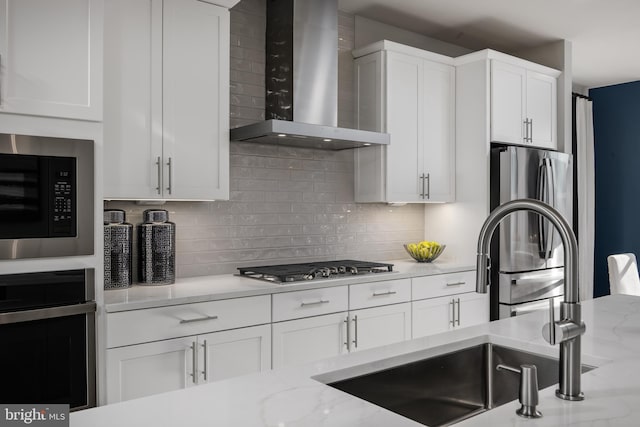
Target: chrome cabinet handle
[[428, 193], [159, 167], [452, 303], [199, 319], [526, 138], [355, 334], [531, 130], [458, 321], [206, 361], [423, 193], [170, 164], [347, 334], [307, 304], [194, 360], [379, 294], [456, 283]]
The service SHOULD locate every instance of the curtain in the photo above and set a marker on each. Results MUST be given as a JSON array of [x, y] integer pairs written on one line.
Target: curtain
[[585, 186]]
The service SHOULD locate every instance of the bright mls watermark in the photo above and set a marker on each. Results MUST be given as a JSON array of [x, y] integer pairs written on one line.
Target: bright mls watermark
[[34, 415]]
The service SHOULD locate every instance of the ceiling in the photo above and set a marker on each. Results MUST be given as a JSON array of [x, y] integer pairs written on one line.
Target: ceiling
[[605, 35]]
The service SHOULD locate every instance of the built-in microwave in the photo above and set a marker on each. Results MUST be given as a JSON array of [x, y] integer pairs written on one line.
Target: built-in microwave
[[46, 197]]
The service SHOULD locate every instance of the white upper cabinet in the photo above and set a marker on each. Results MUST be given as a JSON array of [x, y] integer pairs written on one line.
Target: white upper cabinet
[[51, 58], [410, 94], [523, 106], [166, 119]]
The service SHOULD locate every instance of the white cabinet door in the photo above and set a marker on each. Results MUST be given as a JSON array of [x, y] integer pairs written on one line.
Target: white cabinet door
[[438, 124], [413, 99], [542, 109], [473, 309], [195, 100], [432, 316], [523, 106], [236, 352], [435, 315], [144, 369], [374, 327], [508, 105], [305, 340], [133, 156], [404, 111], [167, 99], [51, 58]]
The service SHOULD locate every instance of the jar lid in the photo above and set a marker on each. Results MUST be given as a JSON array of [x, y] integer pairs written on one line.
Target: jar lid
[[155, 215], [114, 216]]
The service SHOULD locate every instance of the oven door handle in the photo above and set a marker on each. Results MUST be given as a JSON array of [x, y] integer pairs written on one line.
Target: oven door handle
[[47, 313]]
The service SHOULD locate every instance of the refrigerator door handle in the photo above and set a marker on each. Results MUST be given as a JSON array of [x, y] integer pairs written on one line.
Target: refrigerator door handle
[[540, 194], [545, 194], [551, 186]]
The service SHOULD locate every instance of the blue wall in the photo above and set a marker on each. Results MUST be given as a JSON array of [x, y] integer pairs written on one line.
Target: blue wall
[[616, 116]]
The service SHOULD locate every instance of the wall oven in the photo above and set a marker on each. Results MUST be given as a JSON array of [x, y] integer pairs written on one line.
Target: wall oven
[[47, 331], [46, 197]]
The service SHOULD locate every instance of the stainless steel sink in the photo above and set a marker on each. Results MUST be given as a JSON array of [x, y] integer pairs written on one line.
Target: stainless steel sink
[[448, 388]]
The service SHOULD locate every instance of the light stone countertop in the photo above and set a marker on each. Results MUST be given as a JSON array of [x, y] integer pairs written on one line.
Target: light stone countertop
[[291, 397], [225, 286]]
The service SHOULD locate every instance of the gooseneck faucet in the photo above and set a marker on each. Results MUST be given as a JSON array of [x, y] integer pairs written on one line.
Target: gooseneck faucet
[[569, 328]]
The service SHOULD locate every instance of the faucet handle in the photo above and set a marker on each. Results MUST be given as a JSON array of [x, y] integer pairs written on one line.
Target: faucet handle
[[549, 329]]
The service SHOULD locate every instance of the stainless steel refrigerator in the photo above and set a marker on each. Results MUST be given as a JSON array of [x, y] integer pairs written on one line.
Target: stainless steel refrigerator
[[527, 264]]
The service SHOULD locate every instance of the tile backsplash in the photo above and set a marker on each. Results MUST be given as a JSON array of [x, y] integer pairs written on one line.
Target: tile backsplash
[[286, 204]]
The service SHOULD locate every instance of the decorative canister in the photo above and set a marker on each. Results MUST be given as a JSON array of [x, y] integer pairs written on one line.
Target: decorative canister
[[117, 250], [157, 248]]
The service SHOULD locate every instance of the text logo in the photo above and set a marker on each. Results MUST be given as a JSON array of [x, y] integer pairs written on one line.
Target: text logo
[[34, 415]]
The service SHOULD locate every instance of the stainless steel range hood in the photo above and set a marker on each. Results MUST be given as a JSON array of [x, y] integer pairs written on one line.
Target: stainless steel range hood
[[301, 81]]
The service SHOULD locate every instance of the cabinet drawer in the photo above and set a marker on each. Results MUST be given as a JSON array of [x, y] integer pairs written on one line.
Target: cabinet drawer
[[314, 302], [379, 293], [137, 326], [443, 284]]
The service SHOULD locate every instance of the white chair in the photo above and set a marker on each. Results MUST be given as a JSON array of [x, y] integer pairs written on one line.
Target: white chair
[[623, 274]]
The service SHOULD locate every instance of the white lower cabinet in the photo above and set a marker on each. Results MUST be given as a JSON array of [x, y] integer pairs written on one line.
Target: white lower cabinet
[[378, 326], [150, 368], [312, 338], [320, 323], [144, 369], [435, 315]]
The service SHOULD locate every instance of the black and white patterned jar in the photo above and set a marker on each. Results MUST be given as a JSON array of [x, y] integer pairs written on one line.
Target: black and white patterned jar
[[157, 248], [117, 250]]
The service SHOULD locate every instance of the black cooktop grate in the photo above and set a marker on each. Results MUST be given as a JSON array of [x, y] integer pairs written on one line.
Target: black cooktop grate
[[313, 270]]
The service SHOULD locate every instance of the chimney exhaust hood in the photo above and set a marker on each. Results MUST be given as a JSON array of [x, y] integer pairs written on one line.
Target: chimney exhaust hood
[[301, 81]]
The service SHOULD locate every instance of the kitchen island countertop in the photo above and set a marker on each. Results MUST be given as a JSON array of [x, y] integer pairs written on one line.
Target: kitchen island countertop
[[291, 397]]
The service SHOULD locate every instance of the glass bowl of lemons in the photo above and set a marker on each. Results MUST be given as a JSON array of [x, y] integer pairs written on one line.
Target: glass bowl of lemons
[[424, 251]]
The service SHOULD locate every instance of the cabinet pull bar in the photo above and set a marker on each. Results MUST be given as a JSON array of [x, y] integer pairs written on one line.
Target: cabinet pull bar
[[199, 319], [531, 131], [346, 322], [452, 303], [206, 361], [194, 360], [458, 321], [422, 178], [379, 294], [428, 194], [355, 338], [306, 304], [159, 167], [456, 283], [170, 164]]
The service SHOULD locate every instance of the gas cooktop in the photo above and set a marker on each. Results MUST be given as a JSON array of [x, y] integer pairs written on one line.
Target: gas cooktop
[[286, 273]]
